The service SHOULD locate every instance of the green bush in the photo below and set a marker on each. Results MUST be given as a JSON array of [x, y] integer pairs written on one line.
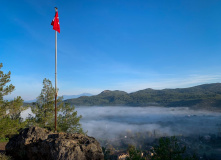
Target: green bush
[[4, 157], [4, 139]]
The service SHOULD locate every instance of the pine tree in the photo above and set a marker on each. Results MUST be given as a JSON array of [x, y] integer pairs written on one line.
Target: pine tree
[[10, 120], [68, 121], [4, 90], [170, 149], [44, 108]]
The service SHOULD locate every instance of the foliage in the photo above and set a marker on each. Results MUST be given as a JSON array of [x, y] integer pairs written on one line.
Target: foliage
[[134, 154], [4, 157], [10, 120], [169, 149], [68, 121], [4, 139], [10, 127], [44, 107], [5, 78]]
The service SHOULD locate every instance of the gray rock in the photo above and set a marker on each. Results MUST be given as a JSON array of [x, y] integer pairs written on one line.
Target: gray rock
[[35, 143]]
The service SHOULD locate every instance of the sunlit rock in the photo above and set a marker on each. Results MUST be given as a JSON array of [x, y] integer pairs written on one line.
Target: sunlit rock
[[36, 143]]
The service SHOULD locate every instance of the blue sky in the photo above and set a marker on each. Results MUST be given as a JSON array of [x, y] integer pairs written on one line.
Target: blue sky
[[119, 44]]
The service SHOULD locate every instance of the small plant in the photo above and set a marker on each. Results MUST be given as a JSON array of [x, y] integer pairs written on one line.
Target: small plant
[[4, 157], [4, 139]]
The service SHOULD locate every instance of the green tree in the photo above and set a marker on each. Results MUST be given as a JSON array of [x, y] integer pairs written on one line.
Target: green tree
[[10, 120], [169, 149], [4, 90], [44, 112], [68, 121], [44, 106], [134, 154]]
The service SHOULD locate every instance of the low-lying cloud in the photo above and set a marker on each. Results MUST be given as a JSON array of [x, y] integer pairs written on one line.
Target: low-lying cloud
[[110, 122]]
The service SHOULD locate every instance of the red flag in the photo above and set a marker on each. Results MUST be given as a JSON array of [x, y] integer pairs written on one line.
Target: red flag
[[55, 22]]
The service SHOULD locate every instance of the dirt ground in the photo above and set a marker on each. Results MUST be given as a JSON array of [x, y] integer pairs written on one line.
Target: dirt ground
[[2, 146]]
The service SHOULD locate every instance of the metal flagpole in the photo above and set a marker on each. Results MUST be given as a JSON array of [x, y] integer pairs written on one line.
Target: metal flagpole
[[56, 93]]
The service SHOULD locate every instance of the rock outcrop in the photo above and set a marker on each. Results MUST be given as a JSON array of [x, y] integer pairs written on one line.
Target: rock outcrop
[[35, 143]]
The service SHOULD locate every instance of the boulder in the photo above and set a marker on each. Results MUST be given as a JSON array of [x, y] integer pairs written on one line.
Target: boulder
[[35, 143]]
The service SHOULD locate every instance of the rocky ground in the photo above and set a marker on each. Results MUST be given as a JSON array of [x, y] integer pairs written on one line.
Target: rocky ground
[[36, 143]]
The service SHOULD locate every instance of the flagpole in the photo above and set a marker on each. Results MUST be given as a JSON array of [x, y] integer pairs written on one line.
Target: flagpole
[[56, 93], [56, 27]]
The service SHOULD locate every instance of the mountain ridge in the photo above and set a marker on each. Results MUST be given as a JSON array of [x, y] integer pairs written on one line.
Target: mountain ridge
[[205, 95]]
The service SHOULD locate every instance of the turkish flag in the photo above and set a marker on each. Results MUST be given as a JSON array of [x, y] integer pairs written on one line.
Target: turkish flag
[[55, 22]]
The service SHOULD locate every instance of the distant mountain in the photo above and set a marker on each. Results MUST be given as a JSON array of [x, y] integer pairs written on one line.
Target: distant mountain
[[64, 97], [206, 95], [75, 96]]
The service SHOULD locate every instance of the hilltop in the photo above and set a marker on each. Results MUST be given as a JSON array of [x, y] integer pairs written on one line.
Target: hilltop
[[206, 95]]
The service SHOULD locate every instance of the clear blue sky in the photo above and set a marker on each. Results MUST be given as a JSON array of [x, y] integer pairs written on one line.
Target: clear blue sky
[[111, 44]]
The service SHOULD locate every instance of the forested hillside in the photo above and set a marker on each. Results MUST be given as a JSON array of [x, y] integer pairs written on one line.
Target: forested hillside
[[206, 95]]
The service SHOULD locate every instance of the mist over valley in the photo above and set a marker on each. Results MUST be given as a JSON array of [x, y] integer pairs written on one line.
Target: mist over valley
[[110, 122]]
